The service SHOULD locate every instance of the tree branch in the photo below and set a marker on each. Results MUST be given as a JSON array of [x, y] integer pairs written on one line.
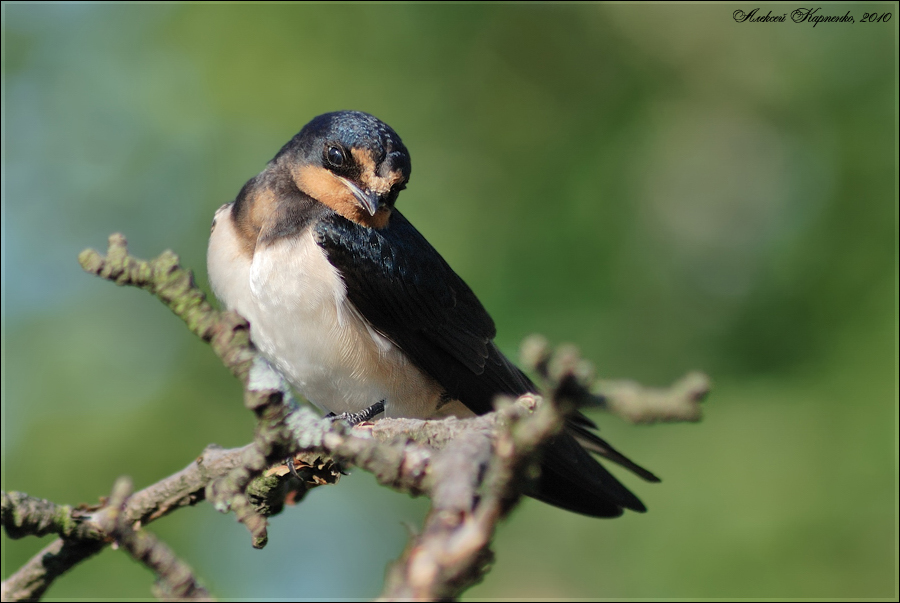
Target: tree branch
[[82, 530], [568, 375], [474, 470], [31, 581], [174, 579]]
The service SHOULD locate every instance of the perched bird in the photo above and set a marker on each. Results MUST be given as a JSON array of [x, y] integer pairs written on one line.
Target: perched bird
[[361, 314]]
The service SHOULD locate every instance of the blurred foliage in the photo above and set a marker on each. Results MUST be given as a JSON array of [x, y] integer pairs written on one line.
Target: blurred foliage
[[665, 187]]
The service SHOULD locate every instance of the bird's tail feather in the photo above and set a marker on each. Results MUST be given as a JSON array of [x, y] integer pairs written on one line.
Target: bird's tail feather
[[598, 445], [572, 479]]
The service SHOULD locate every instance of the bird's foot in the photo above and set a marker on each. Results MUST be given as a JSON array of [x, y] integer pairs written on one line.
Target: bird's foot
[[355, 418]]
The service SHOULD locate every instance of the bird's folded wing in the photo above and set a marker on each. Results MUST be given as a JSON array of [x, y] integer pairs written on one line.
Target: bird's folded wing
[[404, 288]]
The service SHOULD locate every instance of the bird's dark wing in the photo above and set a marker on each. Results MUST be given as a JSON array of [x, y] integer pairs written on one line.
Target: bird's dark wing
[[406, 290]]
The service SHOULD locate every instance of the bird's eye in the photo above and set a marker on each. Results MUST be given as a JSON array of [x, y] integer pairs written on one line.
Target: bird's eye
[[335, 156]]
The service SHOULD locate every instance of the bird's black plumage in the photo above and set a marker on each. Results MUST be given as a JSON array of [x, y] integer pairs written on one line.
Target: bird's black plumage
[[406, 290]]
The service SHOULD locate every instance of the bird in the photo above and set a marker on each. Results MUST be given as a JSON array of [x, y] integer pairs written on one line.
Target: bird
[[363, 317]]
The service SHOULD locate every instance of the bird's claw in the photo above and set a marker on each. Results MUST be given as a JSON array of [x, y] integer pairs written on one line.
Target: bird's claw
[[355, 418]]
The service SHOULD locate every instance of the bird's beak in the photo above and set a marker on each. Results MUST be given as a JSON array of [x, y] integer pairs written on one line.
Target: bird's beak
[[370, 200]]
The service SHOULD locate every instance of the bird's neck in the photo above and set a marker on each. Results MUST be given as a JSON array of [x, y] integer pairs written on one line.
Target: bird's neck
[[265, 210]]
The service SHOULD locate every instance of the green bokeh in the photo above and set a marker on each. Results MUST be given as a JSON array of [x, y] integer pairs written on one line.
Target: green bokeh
[[665, 187]]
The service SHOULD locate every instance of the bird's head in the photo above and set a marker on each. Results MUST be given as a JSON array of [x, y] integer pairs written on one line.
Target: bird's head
[[350, 161]]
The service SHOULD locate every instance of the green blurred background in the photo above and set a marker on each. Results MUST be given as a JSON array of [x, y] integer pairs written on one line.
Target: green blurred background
[[664, 187]]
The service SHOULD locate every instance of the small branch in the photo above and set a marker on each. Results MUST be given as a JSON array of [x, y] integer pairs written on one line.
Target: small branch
[[33, 579], [226, 332], [573, 378], [453, 551], [271, 444], [395, 462], [184, 488], [174, 579], [638, 404], [23, 515]]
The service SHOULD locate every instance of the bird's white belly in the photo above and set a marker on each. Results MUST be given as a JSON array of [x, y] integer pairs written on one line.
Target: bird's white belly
[[301, 320]]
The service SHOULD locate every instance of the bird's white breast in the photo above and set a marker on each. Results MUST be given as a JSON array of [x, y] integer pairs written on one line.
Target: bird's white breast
[[301, 320]]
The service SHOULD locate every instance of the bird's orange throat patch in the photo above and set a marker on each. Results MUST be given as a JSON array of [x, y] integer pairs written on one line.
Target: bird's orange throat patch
[[327, 188]]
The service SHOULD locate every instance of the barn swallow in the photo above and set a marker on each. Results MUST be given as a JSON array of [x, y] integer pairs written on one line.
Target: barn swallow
[[362, 315]]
